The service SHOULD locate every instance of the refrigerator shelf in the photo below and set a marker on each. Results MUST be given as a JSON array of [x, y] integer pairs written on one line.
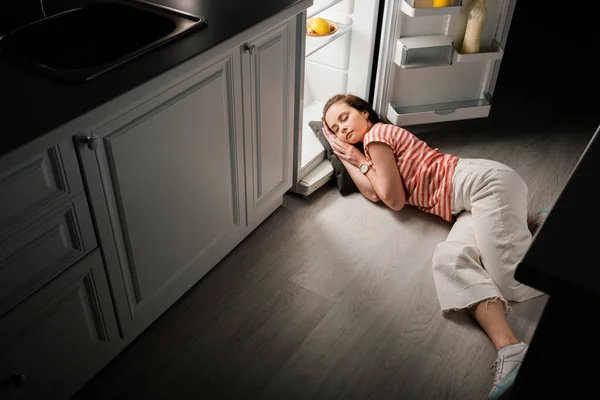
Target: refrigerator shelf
[[315, 9], [428, 12], [424, 51], [440, 112], [495, 53], [315, 43]]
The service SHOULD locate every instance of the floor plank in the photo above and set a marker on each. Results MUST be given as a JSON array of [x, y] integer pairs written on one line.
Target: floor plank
[[384, 370], [461, 372], [356, 320], [258, 340]]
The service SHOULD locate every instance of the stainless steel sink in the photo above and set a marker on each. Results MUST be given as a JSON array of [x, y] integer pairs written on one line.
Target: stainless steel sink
[[80, 44]]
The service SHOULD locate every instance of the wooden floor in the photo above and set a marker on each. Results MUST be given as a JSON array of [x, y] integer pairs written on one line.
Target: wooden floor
[[333, 297]]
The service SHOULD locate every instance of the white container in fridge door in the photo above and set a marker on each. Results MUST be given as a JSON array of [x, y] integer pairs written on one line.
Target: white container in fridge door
[[424, 51], [421, 8]]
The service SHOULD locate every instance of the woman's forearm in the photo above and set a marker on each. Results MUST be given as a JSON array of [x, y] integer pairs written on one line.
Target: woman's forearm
[[373, 178], [396, 203], [362, 182]]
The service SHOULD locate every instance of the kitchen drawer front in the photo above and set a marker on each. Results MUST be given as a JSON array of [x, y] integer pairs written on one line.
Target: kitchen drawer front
[[51, 343], [42, 181], [35, 252]]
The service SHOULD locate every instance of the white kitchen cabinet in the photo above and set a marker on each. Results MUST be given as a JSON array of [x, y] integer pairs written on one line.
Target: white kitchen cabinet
[[176, 172], [177, 182], [167, 186], [59, 337], [268, 67], [45, 222]]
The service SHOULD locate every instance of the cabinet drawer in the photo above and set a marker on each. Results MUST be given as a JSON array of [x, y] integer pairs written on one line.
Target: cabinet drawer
[[33, 254], [48, 178], [55, 340]]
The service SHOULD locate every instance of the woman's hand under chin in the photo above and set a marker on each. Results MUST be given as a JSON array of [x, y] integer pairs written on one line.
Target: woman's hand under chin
[[347, 152]]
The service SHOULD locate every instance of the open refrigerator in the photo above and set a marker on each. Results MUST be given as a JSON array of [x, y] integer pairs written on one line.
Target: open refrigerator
[[403, 56]]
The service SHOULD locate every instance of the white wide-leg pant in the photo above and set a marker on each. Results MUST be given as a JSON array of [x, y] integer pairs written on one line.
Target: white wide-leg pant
[[489, 238]]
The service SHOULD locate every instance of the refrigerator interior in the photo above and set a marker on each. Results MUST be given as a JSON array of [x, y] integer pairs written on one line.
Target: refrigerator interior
[[423, 77], [337, 63]]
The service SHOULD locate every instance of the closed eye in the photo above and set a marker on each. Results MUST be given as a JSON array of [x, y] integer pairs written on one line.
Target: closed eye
[[342, 117]]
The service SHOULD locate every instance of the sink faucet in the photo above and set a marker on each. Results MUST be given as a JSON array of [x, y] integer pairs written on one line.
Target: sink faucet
[[42, 8], [16, 13]]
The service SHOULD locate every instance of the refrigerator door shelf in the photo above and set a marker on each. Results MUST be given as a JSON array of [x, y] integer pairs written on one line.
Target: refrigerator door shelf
[[431, 113], [424, 51], [496, 52], [314, 43], [430, 11]]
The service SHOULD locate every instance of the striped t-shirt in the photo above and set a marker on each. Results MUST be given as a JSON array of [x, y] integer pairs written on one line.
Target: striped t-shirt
[[426, 173]]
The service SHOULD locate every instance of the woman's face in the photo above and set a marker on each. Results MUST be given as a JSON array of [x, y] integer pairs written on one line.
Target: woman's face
[[347, 123]]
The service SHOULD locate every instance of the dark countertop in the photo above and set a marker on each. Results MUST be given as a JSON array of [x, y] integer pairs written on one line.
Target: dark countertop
[[35, 104], [564, 258]]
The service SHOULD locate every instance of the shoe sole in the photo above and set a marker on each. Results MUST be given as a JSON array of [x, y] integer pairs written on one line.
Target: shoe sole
[[506, 383]]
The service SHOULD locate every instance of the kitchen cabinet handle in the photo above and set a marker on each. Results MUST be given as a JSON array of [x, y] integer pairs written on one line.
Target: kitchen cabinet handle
[[250, 48], [92, 142], [18, 380]]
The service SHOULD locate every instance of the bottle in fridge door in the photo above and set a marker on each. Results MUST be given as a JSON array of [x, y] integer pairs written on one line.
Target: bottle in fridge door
[[472, 40]]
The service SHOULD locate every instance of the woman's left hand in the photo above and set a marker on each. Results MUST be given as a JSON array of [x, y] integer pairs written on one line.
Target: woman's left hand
[[347, 152]]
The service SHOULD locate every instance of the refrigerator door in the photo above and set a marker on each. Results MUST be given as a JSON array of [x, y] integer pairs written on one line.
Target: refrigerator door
[[422, 77], [340, 62]]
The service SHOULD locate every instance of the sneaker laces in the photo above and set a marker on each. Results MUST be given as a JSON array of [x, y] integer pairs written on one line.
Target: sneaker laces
[[496, 370]]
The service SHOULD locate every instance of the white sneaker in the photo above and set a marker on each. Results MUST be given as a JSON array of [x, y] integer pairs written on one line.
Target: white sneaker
[[506, 368]]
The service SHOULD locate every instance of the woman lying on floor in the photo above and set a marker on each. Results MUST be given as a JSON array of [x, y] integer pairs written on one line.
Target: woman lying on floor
[[474, 268]]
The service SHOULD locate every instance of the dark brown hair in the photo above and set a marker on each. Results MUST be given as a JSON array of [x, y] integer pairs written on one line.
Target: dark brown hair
[[352, 101]]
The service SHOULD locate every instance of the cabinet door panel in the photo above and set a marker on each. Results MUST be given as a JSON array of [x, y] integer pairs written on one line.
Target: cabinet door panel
[[176, 198], [269, 81], [173, 187], [270, 76]]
